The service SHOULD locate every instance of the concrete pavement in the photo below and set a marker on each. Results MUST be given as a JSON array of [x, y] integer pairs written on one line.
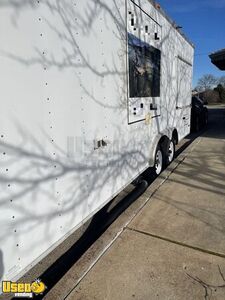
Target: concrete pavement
[[189, 208], [174, 248], [141, 267]]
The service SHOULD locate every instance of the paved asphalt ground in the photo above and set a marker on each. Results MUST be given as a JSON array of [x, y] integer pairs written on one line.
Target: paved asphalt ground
[[170, 243]]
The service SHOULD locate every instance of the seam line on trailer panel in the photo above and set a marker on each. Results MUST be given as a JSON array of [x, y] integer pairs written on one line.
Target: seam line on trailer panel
[[130, 123], [184, 60]]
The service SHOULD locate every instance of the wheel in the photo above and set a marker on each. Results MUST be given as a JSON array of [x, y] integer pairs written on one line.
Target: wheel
[[170, 152], [158, 166]]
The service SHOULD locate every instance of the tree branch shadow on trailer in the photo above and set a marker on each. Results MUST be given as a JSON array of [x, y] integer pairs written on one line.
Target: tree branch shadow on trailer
[[39, 164], [74, 58], [71, 22], [18, 6], [39, 169]]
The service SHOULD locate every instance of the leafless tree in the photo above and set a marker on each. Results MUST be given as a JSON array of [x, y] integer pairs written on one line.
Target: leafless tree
[[222, 81], [207, 82]]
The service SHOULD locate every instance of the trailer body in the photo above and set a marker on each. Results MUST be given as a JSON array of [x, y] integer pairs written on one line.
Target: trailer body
[[88, 89]]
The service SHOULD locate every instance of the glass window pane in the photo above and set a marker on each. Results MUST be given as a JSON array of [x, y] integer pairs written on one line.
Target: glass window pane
[[144, 68]]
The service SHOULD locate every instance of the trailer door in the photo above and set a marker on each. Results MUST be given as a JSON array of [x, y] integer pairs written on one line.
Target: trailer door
[[183, 103]]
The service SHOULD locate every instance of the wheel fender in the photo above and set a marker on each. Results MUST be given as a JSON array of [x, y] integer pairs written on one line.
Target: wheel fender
[[168, 132]]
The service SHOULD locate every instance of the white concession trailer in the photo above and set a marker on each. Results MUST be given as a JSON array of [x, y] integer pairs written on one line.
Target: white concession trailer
[[92, 93]]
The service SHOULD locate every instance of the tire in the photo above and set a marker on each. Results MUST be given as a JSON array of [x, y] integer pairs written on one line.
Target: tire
[[159, 161], [170, 152]]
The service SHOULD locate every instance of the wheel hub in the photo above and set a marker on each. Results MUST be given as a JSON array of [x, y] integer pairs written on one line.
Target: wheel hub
[[171, 152], [158, 162]]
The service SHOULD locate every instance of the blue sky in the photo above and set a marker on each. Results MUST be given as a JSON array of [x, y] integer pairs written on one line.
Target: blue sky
[[203, 21]]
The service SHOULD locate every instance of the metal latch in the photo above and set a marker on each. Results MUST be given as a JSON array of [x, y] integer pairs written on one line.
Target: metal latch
[[153, 106]]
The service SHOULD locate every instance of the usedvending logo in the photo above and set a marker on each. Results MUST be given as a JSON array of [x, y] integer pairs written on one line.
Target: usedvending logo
[[24, 290]]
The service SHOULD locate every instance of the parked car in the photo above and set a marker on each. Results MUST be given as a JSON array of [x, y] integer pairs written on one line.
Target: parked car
[[199, 114]]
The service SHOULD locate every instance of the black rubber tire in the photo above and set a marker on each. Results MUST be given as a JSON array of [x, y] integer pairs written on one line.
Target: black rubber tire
[[156, 172]]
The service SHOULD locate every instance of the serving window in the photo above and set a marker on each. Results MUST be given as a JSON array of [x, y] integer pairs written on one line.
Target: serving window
[[144, 68]]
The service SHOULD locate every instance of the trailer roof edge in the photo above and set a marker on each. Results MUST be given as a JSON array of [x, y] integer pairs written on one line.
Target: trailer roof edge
[[171, 21]]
